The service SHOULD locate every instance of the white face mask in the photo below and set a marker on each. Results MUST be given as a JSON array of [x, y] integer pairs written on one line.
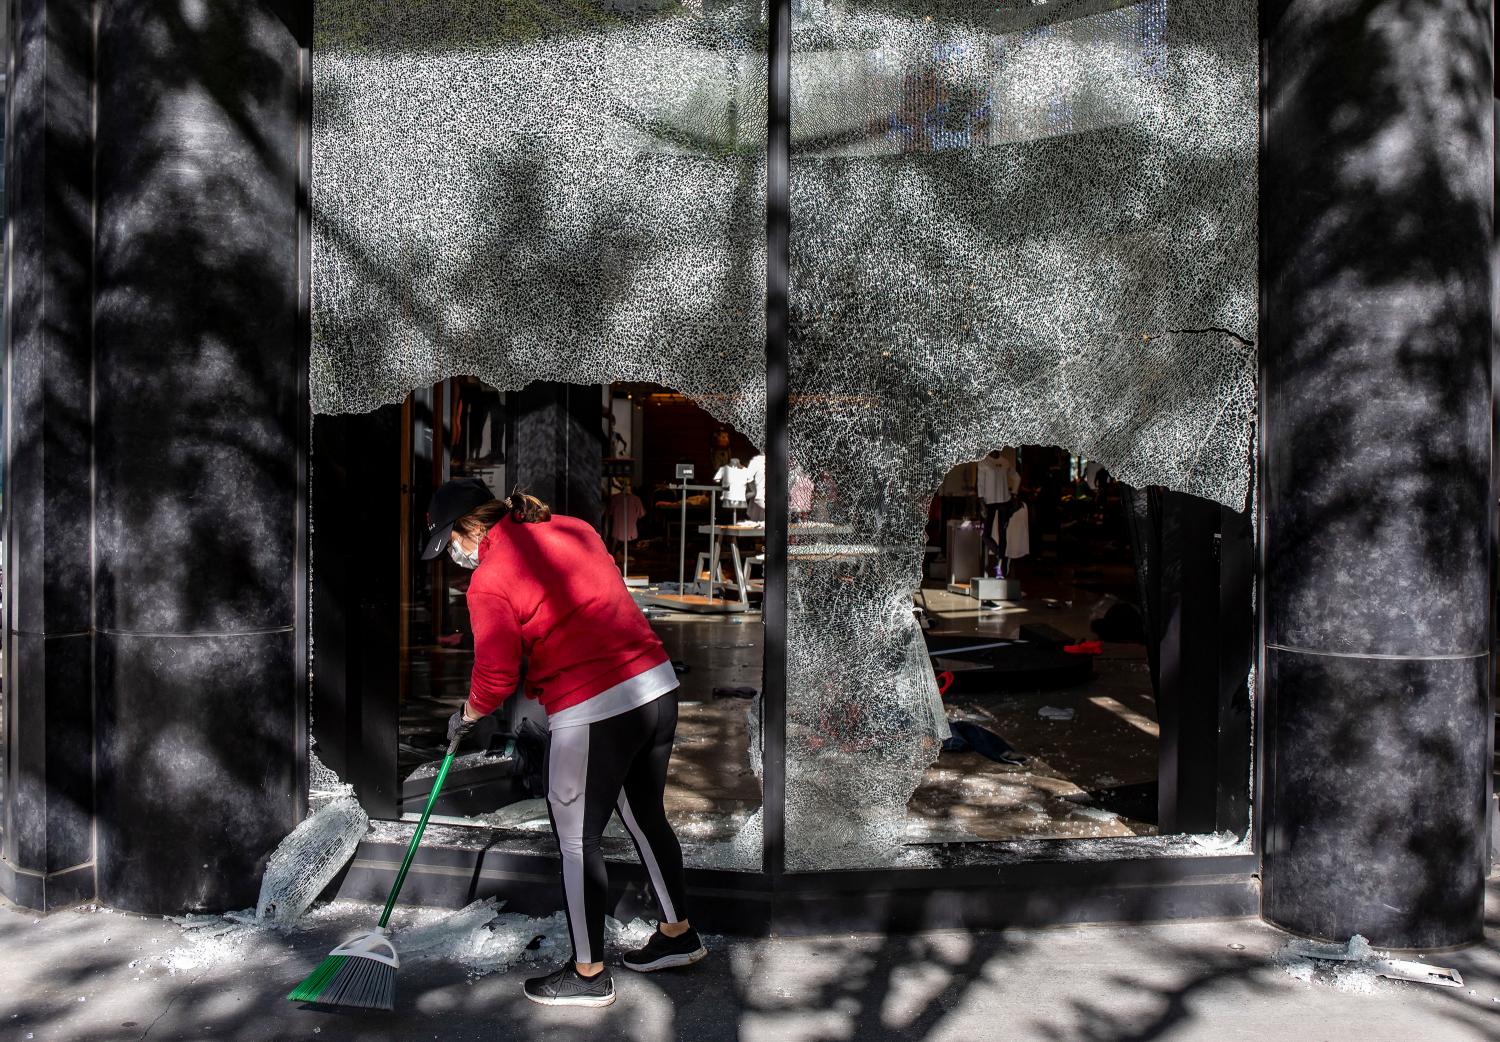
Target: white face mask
[[461, 556]]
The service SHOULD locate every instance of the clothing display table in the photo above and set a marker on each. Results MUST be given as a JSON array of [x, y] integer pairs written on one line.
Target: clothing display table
[[730, 535]]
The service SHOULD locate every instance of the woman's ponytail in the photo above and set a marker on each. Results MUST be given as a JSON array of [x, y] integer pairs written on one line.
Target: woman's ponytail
[[523, 507]]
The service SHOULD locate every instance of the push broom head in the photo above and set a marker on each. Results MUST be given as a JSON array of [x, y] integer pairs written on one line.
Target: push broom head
[[360, 973]]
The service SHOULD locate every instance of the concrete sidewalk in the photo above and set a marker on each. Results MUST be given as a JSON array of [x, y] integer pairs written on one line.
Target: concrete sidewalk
[[82, 976]]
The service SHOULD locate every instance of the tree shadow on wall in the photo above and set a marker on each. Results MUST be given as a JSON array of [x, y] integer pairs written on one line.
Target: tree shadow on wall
[[1374, 256]]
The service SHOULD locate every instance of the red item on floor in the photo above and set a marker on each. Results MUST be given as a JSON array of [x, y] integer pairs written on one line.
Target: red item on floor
[[1087, 647], [945, 681]]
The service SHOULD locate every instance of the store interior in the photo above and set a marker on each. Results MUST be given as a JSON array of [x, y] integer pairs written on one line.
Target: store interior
[[1032, 621]]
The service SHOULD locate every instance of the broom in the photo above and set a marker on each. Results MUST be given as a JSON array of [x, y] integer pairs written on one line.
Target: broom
[[362, 972]]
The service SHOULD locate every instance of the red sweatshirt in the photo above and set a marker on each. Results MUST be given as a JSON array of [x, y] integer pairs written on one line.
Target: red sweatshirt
[[550, 594]]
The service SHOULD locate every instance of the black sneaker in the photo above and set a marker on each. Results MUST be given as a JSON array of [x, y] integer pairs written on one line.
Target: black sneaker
[[568, 987], [662, 952]]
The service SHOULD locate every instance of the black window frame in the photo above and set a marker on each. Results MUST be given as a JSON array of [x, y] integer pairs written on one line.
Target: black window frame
[[353, 646]]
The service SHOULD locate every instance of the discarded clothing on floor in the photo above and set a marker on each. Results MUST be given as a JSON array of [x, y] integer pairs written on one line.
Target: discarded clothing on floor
[[735, 692], [971, 737], [1085, 647]]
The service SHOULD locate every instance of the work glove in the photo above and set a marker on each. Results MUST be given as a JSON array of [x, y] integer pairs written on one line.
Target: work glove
[[459, 726]]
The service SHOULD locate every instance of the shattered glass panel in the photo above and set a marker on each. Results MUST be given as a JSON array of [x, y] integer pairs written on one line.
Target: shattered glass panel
[[567, 190], [1016, 223], [309, 857]]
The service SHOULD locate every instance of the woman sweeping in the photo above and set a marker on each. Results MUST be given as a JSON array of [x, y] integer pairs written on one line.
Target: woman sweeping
[[546, 592]]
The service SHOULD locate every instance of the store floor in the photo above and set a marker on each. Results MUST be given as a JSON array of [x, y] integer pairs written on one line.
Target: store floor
[[1091, 775], [712, 788]]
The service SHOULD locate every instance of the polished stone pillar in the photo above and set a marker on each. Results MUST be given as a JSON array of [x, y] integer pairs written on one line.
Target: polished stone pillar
[[46, 787], [1375, 430], [200, 430], [559, 447]]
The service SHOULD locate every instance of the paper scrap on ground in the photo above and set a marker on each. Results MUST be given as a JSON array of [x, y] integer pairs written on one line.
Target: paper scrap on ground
[[1054, 713]]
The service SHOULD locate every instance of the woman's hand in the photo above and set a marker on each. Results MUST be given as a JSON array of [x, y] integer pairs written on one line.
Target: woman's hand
[[462, 722]]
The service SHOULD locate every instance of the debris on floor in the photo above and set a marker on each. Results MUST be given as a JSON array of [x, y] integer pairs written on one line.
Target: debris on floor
[[530, 816], [483, 940], [967, 737], [735, 692], [1354, 965], [480, 938], [1055, 713]]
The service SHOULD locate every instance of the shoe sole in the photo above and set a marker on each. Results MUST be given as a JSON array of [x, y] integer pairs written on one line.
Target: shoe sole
[[592, 1001], [666, 962]]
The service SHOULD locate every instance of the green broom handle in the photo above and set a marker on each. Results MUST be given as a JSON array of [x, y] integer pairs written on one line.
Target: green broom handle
[[411, 850]]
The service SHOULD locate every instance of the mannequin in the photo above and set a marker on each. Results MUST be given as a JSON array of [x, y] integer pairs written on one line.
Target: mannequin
[[625, 509], [998, 482], [735, 480], [757, 469], [1017, 537]]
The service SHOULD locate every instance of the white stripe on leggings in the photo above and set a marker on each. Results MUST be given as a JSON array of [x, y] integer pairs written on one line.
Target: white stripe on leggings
[[569, 765], [649, 857]]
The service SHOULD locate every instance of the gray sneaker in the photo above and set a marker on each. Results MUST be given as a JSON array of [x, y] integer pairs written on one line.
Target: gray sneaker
[[567, 987], [662, 952]]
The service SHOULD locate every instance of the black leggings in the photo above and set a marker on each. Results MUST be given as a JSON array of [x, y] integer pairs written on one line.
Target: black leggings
[[1004, 511], [592, 770]]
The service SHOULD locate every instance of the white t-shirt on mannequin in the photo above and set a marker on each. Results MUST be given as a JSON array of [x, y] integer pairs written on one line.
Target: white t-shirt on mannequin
[[757, 471], [998, 480], [735, 480]]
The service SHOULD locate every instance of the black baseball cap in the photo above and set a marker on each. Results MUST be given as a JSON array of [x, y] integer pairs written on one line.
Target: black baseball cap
[[451, 501]]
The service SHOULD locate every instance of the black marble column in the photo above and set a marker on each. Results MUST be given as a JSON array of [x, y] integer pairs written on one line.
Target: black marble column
[[1375, 224], [46, 790], [559, 447], [200, 432]]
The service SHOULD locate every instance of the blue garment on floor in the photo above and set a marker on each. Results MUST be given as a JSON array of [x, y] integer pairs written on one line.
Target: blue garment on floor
[[982, 740]]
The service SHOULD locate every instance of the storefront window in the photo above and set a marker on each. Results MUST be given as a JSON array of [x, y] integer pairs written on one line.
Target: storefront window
[[625, 445], [1016, 225], [1025, 229], [541, 230]]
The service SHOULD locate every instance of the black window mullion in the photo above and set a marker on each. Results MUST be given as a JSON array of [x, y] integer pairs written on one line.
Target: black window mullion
[[778, 145]]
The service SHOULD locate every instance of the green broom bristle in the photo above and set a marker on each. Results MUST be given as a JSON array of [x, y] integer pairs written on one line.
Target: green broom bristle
[[317, 980], [348, 980], [362, 983]]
